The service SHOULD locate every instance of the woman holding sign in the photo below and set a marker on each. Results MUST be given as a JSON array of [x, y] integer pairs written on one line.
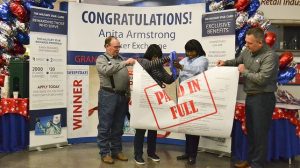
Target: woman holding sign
[[152, 62], [193, 64]]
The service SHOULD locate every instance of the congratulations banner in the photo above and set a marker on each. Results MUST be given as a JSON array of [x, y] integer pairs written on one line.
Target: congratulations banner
[[168, 26]]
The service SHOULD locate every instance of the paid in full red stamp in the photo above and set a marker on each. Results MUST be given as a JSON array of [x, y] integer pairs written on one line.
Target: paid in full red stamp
[[194, 101]]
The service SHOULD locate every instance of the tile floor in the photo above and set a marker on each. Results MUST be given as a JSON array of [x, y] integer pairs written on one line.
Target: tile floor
[[86, 156]]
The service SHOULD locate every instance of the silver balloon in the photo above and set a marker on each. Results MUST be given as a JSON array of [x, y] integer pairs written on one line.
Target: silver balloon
[[6, 56], [266, 24], [3, 41], [241, 20], [293, 64], [21, 26], [5, 28], [216, 6], [257, 19]]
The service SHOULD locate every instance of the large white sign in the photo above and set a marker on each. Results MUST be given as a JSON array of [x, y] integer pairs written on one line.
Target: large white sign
[[204, 104]]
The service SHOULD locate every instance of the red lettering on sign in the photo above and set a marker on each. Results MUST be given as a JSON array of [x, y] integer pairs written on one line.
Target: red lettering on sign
[[77, 104], [183, 109], [162, 96]]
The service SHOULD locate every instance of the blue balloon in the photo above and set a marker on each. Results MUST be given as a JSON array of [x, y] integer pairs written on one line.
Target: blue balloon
[[47, 4], [253, 6], [241, 34], [214, 0], [286, 75], [172, 67], [23, 38], [48, 1], [50, 6], [28, 5], [43, 4], [5, 13], [33, 2]]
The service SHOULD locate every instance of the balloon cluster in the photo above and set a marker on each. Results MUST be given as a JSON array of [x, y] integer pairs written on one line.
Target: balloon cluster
[[287, 70], [14, 29], [248, 16]]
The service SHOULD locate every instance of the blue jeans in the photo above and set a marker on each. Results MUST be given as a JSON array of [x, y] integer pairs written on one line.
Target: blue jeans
[[111, 114]]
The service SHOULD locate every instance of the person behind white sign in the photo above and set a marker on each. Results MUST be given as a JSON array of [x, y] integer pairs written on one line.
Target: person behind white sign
[[193, 64], [112, 100], [152, 62], [259, 66]]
